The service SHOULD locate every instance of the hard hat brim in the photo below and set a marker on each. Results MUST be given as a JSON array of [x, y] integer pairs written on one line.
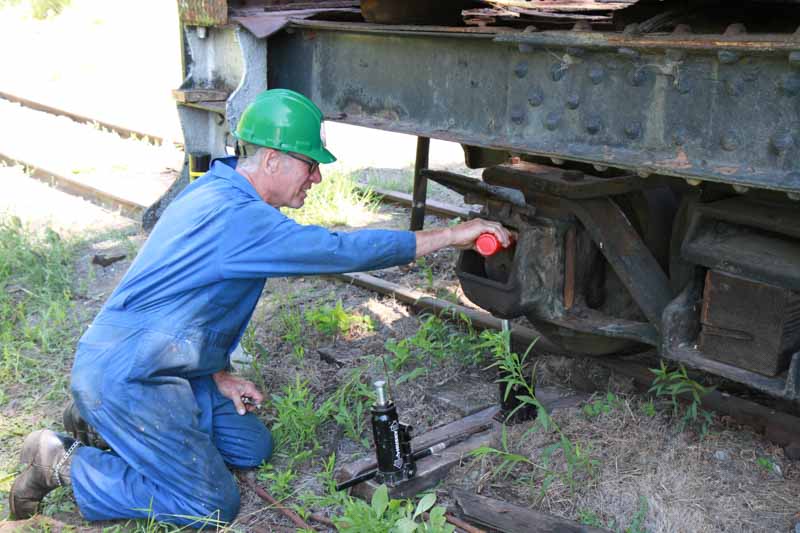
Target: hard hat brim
[[322, 155]]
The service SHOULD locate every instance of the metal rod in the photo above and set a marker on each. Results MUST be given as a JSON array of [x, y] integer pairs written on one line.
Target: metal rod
[[420, 191], [264, 495]]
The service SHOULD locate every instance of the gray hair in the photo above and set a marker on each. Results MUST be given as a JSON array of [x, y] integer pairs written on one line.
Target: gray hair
[[251, 156]]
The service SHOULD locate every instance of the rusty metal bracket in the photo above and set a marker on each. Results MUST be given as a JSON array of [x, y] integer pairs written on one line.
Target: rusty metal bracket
[[627, 254]]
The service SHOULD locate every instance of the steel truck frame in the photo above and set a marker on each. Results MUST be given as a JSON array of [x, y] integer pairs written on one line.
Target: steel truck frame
[[651, 169]]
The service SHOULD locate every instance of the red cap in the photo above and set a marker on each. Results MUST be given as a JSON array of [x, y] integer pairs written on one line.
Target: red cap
[[487, 244]]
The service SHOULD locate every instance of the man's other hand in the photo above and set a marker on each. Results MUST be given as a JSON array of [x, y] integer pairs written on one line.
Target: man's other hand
[[234, 388]]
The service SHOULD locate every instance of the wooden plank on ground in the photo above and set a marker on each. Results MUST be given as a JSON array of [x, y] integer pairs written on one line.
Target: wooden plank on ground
[[510, 518], [432, 469]]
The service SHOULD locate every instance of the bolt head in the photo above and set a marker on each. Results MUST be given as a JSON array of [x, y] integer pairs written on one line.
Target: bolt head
[[597, 74], [782, 141], [594, 125], [729, 141], [552, 120], [633, 130], [535, 96], [600, 168], [637, 76], [573, 101], [521, 69]]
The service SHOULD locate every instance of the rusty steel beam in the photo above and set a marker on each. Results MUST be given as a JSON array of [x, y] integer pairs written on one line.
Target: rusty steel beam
[[719, 108]]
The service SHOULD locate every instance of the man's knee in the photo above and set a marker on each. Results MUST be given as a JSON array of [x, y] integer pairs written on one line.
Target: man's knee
[[219, 502], [260, 449]]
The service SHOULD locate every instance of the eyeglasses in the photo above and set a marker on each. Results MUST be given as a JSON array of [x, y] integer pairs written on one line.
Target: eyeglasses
[[312, 165]]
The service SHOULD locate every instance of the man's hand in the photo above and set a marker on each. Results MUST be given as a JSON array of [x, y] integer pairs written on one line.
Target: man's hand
[[235, 388], [465, 234], [461, 236]]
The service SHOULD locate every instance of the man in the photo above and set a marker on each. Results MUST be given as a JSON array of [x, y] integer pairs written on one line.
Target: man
[[151, 373]]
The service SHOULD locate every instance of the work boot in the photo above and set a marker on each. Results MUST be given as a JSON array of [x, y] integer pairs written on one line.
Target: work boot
[[75, 424], [47, 457]]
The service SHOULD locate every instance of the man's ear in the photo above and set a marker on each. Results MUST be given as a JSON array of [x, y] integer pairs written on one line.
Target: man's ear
[[270, 162]]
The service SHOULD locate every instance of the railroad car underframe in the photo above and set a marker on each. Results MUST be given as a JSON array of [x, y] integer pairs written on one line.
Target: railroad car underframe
[[653, 178]]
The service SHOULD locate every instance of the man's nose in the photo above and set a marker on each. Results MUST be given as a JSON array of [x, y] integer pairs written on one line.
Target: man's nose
[[316, 177]]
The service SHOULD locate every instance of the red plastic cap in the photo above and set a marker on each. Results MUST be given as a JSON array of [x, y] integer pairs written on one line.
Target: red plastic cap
[[487, 244]]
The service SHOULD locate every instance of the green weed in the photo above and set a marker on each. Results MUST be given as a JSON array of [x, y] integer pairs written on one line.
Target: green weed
[[297, 418], [649, 409], [576, 462], [291, 322], [677, 386], [335, 321], [397, 516], [350, 406], [602, 405], [337, 201], [279, 480], [427, 272]]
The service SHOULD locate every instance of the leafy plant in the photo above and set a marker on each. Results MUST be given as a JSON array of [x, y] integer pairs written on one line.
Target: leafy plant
[[297, 417], [394, 516], [576, 460], [427, 272], [350, 405], [337, 200], [602, 405], [649, 408], [279, 480], [677, 385], [335, 321], [291, 321]]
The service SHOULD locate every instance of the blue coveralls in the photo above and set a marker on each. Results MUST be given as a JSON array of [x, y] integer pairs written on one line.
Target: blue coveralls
[[142, 372]]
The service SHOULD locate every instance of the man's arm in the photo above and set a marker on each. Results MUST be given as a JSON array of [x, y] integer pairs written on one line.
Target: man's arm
[[461, 236]]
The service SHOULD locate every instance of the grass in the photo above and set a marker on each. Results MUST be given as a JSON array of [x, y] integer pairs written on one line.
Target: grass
[[337, 201], [335, 321], [685, 395]]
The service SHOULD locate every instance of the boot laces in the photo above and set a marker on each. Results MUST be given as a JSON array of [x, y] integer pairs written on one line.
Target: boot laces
[[60, 463]]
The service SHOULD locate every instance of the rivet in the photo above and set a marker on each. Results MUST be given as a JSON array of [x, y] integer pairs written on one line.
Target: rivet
[[552, 120], [734, 86], [735, 29], [794, 58], [741, 189], [557, 71], [594, 124], [693, 182], [633, 130], [637, 76], [535, 96], [517, 114], [782, 141], [679, 136], [521, 69], [597, 74], [727, 57], [643, 173], [573, 101], [632, 29], [557, 161], [600, 168], [790, 85], [794, 196], [728, 141]]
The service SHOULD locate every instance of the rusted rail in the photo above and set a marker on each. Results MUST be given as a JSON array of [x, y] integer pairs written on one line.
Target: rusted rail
[[119, 130]]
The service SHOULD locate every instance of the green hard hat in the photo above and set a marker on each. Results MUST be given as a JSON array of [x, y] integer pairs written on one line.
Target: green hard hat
[[285, 120]]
